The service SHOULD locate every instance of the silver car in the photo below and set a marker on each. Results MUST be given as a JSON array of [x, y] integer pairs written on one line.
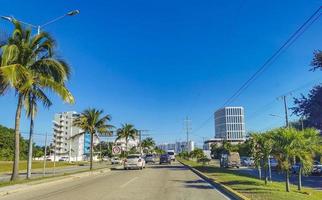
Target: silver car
[[134, 161], [150, 158]]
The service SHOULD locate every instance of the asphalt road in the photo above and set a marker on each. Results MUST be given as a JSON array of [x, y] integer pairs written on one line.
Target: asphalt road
[[157, 182], [314, 182]]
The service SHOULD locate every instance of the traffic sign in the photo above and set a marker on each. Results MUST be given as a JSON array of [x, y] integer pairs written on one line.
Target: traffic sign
[[116, 150]]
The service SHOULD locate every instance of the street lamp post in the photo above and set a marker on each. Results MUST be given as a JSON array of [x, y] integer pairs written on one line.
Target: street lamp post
[[38, 27]]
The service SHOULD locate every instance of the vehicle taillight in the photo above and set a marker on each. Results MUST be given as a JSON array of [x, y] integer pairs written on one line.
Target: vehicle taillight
[[139, 160]]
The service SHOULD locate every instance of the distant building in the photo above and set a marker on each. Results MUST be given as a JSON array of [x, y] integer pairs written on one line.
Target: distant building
[[178, 147], [131, 143], [230, 124], [65, 143]]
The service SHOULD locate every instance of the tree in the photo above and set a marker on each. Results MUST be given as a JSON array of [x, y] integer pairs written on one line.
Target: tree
[[197, 153], [262, 144], [148, 144], [317, 60], [127, 131], [28, 66], [310, 108], [284, 149], [308, 142], [159, 151], [105, 148], [91, 121]]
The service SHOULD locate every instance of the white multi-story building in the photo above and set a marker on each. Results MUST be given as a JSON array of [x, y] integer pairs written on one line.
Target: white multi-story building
[[230, 124], [67, 140]]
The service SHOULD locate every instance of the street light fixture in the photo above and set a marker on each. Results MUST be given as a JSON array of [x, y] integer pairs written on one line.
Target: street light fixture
[[273, 115], [73, 12], [38, 27]]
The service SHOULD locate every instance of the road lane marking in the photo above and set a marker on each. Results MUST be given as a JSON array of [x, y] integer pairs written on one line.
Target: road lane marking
[[125, 184]]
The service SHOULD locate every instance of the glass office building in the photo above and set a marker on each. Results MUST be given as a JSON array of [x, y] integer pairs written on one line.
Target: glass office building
[[230, 124]]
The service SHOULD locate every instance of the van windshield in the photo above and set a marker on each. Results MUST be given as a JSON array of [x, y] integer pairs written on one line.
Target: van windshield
[[171, 153]]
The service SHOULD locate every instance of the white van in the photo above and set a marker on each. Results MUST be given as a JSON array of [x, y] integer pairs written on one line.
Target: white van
[[171, 155]]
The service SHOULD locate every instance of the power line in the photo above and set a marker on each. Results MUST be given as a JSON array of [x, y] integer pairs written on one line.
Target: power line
[[270, 60], [276, 54]]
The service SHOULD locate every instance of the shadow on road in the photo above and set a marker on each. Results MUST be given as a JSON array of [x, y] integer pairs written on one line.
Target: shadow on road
[[197, 184], [171, 167]]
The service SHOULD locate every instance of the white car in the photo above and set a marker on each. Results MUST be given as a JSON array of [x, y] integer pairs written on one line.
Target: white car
[[134, 161], [116, 160], [172, 155]]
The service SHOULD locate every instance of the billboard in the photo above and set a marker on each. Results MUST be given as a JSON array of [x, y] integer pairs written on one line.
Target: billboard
[[87, 143]]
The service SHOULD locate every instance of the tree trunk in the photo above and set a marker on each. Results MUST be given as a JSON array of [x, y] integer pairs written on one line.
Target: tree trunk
[[31, 132], [259, 172], [91, 153], [266, 175], [299, 184], [15, 168], [287, 181]]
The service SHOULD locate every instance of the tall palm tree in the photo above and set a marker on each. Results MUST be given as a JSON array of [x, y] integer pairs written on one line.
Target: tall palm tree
[[27, 64], [91, 121], [127, 131], [308, 142]]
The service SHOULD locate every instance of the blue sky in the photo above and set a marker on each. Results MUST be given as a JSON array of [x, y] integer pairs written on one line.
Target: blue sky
[[152, 63]]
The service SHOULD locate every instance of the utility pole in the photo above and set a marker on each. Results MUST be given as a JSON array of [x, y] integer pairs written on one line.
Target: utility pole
[[187, 127], [45, 156], [284, 97], [140, 138], [286, 114]]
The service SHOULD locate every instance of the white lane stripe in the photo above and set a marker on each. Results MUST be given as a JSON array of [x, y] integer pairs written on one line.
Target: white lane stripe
[[125, 184]]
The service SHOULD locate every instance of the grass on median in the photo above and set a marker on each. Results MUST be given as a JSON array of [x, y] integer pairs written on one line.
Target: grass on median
[[6, 166], [52, 177], [254, 188]]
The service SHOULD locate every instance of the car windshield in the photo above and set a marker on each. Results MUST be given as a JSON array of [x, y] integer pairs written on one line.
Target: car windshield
[[171, 153], [133, 156]]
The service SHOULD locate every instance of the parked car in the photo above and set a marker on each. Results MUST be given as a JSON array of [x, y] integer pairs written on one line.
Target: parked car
[[317, 170], [134, 161], [165, 158], [105, 158], [231, 159], [171, 155], [273, 162], [150, 158], [116, 160], [247, 161], [63, 158]]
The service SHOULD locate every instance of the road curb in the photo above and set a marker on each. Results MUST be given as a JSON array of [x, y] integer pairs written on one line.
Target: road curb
[[224, 189], [50, 181]]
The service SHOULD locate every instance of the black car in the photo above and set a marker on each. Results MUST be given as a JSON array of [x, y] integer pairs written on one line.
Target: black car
[[165, 158]]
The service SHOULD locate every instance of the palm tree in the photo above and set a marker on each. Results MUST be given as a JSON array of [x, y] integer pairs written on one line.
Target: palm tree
[[91, 121], [148, 143], [127, 131], [285, 147], [308, 142], [28, 66], [262, 148]]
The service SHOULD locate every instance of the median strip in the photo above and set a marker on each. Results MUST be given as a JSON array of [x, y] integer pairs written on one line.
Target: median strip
[[222, 188]]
